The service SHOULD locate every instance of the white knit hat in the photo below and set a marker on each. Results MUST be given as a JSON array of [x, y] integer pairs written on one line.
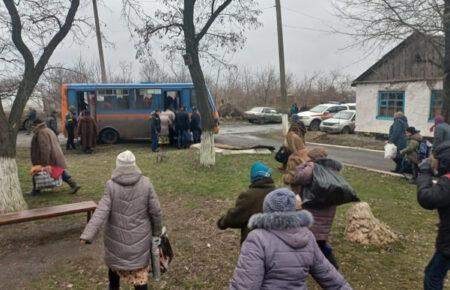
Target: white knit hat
[[126, 159]]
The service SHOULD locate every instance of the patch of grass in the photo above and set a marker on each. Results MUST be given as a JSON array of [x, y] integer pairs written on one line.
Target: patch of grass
[[193, 197]]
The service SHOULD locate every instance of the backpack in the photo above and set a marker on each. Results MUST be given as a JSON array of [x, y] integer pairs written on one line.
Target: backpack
[[424, 150]]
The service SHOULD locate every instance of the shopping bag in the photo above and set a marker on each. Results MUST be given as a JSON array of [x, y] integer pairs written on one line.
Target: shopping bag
[[390, 151], [43, 180]]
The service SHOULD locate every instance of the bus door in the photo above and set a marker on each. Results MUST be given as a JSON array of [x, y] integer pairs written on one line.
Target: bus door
[[86, 101], [172, 99], [146, 101]]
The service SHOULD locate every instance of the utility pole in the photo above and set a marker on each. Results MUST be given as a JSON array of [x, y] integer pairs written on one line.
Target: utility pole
[[99, 42], [281, 54]]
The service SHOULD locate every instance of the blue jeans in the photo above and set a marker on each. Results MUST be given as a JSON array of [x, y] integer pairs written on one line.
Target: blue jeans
[[155, 142], [435, 272], [65, 176]]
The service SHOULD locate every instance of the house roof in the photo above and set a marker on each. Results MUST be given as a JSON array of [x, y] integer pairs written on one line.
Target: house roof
[[421, 52]]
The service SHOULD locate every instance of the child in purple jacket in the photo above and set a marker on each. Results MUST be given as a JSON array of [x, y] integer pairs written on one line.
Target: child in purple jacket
[[281, 251]]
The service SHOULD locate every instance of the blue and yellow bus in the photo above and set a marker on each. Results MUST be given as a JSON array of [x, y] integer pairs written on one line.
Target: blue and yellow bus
[[122, 111]]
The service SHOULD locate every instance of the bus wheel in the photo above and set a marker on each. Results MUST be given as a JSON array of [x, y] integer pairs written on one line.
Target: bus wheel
[[109, 136]]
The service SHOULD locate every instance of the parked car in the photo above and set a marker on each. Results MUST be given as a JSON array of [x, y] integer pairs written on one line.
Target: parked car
[[314, 117], [263, 115], [33, 102], [342, 122]]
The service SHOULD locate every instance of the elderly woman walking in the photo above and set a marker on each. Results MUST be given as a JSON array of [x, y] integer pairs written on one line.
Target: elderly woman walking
[[281, 251], [132, 213]]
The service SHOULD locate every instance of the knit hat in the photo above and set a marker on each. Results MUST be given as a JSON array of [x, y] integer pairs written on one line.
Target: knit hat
[[259, 171], [126, 159], [442, 154], [439, 119], [279, 200]]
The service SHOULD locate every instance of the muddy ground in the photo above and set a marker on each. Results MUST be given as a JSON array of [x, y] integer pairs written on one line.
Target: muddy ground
[[202, 252]]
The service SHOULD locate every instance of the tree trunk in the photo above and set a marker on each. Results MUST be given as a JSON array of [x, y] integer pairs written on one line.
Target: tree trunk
[[446, 100], [11, 198], [207, 153]]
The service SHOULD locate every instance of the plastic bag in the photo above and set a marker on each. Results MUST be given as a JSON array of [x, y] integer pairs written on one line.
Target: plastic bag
[[328, 188], [282, 155], [390, 151]]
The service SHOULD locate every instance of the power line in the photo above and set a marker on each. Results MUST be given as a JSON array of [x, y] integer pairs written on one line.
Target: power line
[[306, 28]]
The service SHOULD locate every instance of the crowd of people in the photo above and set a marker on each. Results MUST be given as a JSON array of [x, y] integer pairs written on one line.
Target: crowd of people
[[411, 147], [179, 129], [283, 238], [278, 230]]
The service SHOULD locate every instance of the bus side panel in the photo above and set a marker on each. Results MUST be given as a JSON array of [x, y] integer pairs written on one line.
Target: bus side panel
[[72, 96], [186, 99], [129, 125]]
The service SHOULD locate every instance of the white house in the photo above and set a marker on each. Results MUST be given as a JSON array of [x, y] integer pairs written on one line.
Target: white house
[[409, 79]]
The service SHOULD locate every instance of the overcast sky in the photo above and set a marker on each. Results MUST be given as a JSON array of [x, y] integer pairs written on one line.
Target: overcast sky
[[309, 47]]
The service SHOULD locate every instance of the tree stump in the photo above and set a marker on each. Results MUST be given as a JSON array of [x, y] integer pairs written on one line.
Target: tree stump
[[362, 227]]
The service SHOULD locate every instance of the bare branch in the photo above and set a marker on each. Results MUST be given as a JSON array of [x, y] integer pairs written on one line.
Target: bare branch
[[211, 19]]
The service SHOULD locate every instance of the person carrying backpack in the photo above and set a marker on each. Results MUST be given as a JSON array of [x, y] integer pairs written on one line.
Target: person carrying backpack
[[436, 196]]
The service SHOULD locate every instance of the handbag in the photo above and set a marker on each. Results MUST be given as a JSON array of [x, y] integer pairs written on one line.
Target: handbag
[[282, 155], [43, 180], [164, 258], [165, 251]]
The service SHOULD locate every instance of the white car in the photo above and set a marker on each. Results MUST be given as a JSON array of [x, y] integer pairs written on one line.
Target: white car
[[314, 117], [342, 122]]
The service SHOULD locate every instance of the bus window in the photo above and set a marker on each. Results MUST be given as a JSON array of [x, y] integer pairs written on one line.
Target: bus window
[[146, 99], [111, 100]]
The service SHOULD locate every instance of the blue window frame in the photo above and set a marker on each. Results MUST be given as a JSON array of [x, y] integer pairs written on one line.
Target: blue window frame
[[390, 102], [435, 103]]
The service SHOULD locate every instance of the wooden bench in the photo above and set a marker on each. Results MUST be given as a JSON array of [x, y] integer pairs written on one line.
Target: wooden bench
[[48, 212]]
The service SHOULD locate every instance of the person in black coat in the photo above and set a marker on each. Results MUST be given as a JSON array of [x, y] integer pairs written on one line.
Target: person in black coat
[[71, 124], [182, 127], [437, 197], [196, 126], [155, 130]]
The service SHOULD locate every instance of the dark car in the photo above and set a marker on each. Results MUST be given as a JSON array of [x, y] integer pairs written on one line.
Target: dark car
[[261, 115]]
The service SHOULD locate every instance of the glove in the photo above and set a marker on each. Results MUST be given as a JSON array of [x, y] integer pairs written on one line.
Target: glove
[[425, 166], [156, 241]]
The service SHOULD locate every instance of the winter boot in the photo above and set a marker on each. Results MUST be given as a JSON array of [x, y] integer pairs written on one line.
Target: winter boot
[[33, 192], [74, 187]]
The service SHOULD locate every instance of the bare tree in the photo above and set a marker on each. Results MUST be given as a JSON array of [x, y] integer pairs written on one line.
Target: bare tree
[[380, 22], [198, 29], [35, 29]]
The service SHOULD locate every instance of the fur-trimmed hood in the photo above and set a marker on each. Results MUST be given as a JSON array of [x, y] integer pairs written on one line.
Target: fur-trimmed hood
[[331, 163], [290, 227], [281, 220]]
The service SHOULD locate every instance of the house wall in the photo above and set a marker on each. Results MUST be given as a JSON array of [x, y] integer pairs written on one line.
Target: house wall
[[417, 105]]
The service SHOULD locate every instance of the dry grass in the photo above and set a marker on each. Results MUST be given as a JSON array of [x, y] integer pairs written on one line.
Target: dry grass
[[46, 255]]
